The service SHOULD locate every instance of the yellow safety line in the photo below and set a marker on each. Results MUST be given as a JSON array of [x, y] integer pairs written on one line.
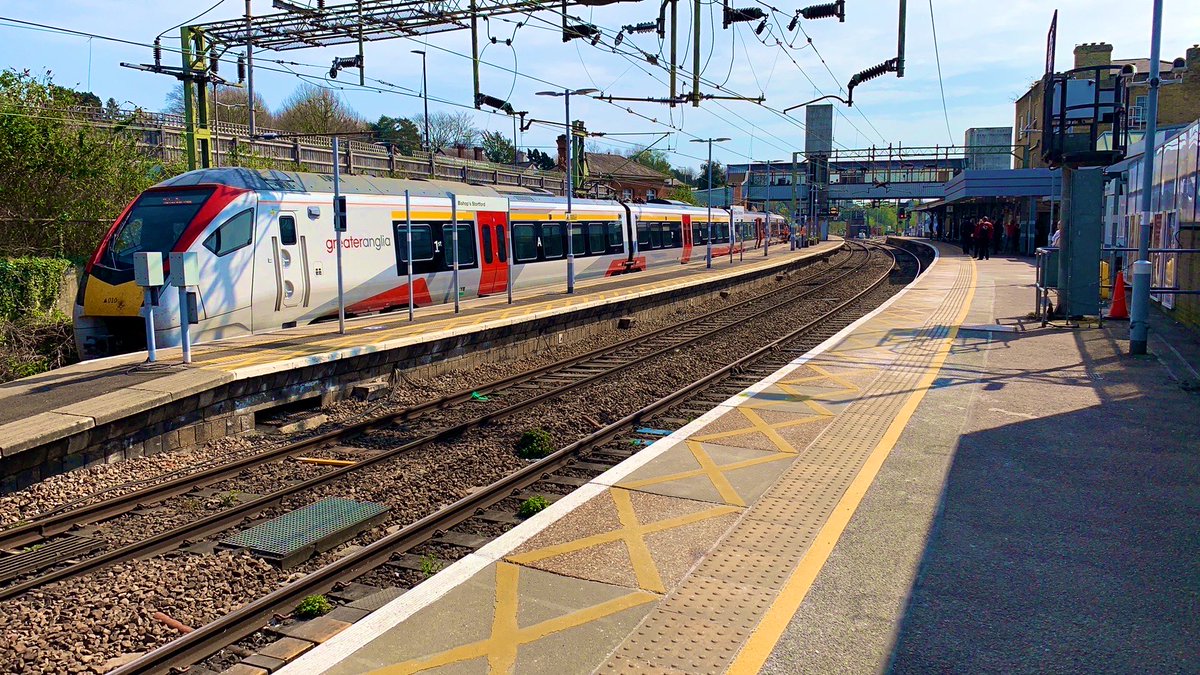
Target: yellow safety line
[[764, 638]]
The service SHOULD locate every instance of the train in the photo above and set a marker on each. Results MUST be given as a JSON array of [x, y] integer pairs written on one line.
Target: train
[[266, 249]]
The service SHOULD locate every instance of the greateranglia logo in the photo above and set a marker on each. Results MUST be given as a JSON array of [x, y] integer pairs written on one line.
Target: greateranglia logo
[[350, 243]]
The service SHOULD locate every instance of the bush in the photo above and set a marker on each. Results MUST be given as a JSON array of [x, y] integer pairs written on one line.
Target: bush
[[30, 286], [313, 606], [34, 345], [535, 444], [531, 506]]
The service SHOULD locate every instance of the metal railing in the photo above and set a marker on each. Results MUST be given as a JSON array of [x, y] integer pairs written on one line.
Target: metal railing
[[1112, 260]]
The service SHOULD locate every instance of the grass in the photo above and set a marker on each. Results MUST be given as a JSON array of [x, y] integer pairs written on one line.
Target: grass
[[431, 565], [535, 444], [532, 506], [313, 606]]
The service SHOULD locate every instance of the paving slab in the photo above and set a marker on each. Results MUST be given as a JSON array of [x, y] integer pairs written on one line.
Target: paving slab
[[507, 618], [710, 472], [40, 429]]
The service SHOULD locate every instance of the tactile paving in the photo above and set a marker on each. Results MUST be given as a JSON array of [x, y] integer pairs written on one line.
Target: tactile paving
[[719, 601], [682, 643]]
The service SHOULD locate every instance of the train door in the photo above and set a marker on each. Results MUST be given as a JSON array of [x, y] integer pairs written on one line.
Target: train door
[[493, 246], [686, 254], [290, 254]]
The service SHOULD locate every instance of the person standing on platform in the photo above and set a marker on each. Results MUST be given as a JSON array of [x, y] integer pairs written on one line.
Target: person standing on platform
[[966, 234], [1056, 240], [983, 238]]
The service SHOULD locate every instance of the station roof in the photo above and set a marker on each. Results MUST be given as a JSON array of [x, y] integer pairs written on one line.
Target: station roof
[[1001, 183]]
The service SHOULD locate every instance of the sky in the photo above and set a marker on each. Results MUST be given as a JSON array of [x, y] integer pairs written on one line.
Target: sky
[[990, 52]]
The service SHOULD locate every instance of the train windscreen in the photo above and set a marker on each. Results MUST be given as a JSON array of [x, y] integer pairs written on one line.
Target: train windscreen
[[155, 223]]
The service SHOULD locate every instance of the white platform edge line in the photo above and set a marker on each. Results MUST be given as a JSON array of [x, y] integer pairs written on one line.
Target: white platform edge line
[[325, 656], [245, 372]]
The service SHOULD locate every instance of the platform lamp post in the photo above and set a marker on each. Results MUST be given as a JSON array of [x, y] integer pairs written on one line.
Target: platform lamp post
[[566, 94], [708, 251], [1139, 307]]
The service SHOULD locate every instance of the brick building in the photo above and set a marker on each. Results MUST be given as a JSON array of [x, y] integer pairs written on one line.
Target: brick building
[[617, 177], [1178, 97]]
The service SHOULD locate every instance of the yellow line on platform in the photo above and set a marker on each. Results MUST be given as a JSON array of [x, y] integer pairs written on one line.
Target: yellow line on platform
[[764, 638]]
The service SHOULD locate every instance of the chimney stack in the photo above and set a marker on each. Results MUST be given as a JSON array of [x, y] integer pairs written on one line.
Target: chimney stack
[[1093, 54], [562, 152]]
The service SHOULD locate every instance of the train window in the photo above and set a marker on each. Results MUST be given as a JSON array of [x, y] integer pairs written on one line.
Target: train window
[[699, 233], [422, 243], [597, 239], [672, 235], [616, 240], [578, 242], [466, 245], [287, 230], [656, 235], [235, 233], [487, 244], [643, 235], [501, 245], [553, 240], [524, 243]]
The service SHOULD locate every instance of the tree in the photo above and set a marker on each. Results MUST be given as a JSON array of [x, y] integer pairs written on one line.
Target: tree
[[654, 159], [498, 148], [683, 193], [64, 178], [686, 174], [542, 160], [315, 110], [398, 131], [450, 130], [718, 175], [228, 105]]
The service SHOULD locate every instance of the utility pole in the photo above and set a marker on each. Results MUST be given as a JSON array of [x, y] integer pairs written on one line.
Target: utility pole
[[1139, 314], [674, 41], [250, 70], [696, 55], [425, 97], [570, 136]]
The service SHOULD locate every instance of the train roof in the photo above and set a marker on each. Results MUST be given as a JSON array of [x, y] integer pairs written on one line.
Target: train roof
[[272, 180]]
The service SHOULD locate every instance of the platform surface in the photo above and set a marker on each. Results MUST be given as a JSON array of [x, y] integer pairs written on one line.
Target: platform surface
[[45, 407], [921, 493]]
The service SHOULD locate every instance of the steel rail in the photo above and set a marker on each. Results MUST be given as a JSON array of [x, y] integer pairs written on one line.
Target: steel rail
[[58, 522], [248, 618], [216, 522]]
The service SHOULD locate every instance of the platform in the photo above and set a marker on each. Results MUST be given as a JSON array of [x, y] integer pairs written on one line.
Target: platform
[[118, 407], [939, 487]]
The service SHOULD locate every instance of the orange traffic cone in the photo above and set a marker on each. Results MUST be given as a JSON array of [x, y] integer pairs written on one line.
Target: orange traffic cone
[[1117, 309]]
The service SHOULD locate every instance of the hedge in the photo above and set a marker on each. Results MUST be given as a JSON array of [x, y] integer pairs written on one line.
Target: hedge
[[30, 286]]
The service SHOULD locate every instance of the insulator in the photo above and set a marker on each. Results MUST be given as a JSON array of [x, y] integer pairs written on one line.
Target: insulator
[[214, 63], [873, 72], [794, 22], [493, 102], [581, 30], [825, 11], [761, 27], [743, 14], [158, 52], [644, 27], [241, 68], [620, 38]]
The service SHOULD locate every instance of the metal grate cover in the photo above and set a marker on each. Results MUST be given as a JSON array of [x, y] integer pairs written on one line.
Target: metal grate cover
[[45, 554], [295, 536]]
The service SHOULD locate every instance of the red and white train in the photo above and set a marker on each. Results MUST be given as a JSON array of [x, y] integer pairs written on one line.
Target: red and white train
[[267, 250]]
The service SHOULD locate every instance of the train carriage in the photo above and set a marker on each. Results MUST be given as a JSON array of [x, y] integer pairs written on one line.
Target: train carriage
[[267, 251]]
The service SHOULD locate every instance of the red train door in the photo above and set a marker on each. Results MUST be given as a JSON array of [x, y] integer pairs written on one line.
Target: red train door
[[493, 244], [686, 254]]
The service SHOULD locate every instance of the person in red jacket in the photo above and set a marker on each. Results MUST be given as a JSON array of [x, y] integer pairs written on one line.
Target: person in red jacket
[[983, 238]]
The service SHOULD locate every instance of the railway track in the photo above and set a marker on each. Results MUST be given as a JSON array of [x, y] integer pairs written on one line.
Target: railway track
[[603, 442], [538, 385]]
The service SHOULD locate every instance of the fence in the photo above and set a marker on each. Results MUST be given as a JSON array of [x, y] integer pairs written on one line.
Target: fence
[[163, 135]]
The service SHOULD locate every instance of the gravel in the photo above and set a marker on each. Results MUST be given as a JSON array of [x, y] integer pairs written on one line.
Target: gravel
[[78, 625]]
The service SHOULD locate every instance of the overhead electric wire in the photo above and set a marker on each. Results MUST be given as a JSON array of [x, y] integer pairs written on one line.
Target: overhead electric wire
[[215, 5], [941, 86]]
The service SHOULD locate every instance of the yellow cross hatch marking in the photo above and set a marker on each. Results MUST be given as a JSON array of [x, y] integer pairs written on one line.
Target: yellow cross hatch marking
[[632, 532], [500, 647], [714, 472]]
